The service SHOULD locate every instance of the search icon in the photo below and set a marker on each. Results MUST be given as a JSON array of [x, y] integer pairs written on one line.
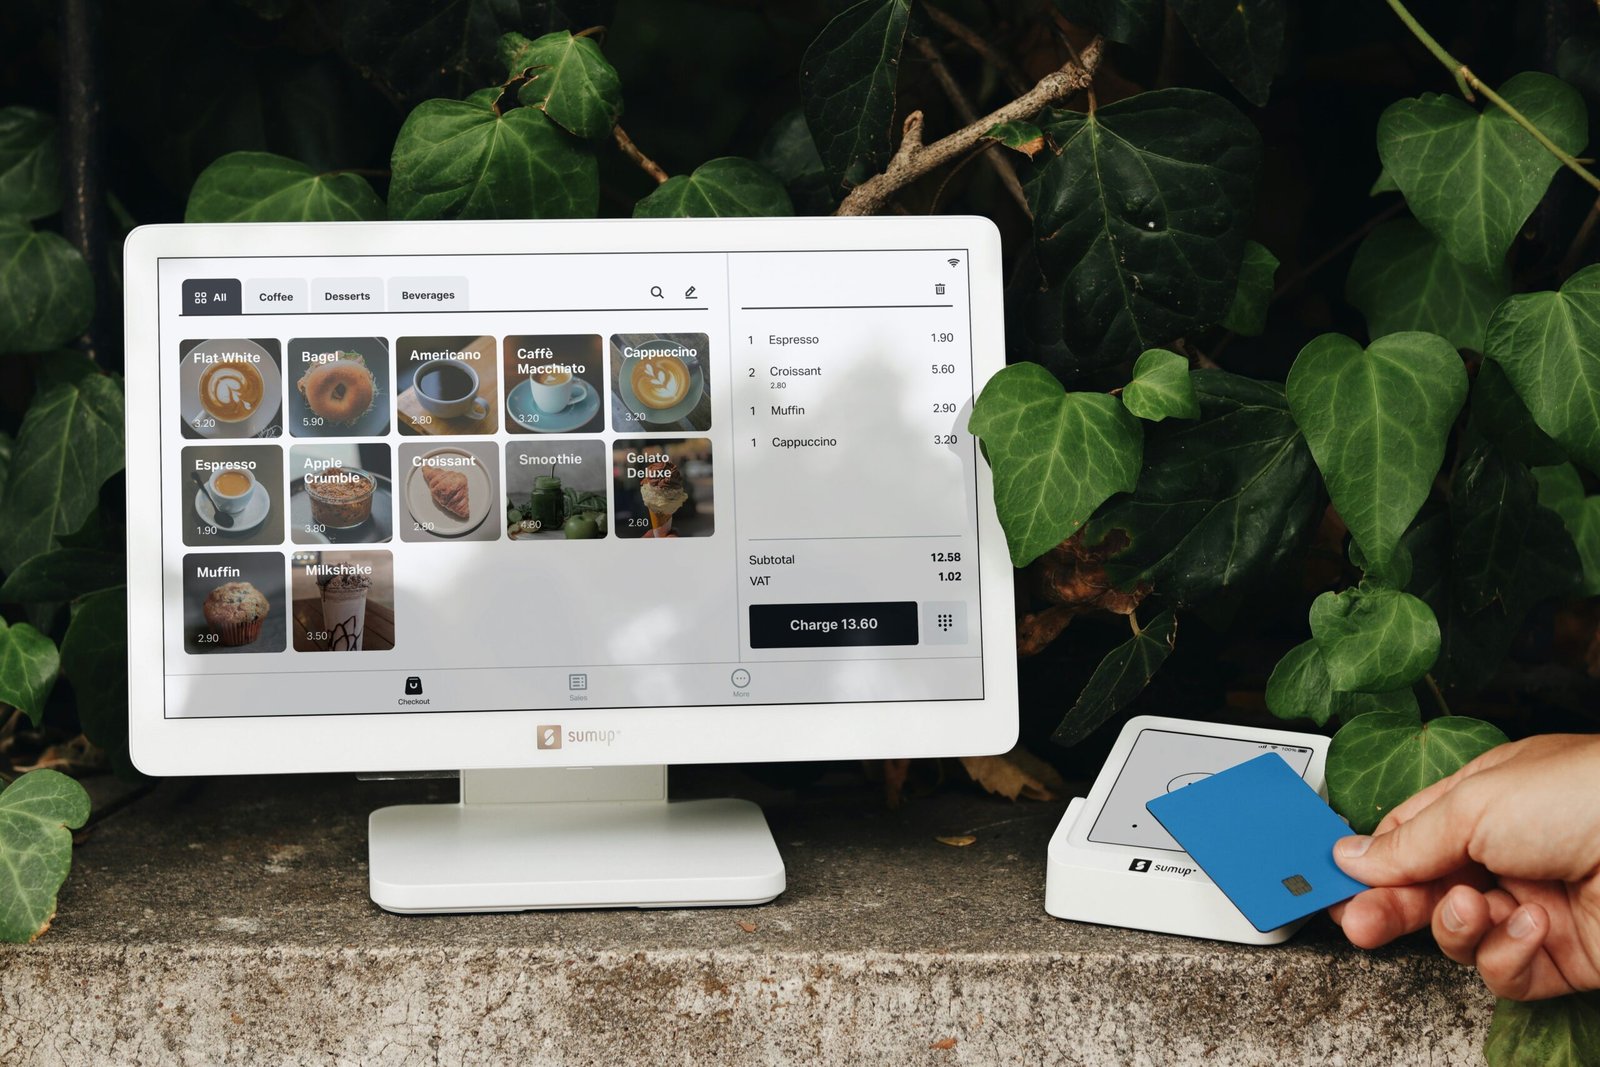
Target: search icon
[[655, 291]]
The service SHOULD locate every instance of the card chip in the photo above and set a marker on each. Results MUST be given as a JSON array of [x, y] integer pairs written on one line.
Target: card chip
[[1297, 884]]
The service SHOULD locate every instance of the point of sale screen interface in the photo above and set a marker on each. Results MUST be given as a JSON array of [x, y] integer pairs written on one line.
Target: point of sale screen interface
[[479, 482]]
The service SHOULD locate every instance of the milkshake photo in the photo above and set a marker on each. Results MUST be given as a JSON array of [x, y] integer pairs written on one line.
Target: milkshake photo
[[343, 601]]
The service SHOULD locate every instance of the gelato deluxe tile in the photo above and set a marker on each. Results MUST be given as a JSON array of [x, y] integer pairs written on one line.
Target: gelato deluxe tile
[[663, 488]]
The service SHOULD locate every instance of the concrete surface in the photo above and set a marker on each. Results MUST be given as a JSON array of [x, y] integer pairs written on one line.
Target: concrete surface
[[227, 921]]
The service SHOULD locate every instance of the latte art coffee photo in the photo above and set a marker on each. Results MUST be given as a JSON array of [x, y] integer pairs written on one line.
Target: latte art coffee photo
[[552, 377], [231, 391], [660, 382]]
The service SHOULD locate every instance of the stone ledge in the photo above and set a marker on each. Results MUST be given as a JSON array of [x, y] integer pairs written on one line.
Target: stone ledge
[[228, 921]]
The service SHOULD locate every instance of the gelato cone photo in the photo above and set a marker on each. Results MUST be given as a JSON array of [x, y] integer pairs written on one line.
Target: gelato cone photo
[[663, 493], [663, 489]]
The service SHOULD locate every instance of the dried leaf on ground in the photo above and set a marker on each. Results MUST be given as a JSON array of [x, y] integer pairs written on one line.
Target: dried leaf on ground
[[1018, 773], [944, 1044], [748, 928], [958, 840]]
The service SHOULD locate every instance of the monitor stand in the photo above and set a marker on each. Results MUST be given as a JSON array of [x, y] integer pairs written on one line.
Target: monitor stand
[[583, 837]]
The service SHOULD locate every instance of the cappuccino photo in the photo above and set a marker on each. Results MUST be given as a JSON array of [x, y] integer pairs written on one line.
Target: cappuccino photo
[[660, 382]]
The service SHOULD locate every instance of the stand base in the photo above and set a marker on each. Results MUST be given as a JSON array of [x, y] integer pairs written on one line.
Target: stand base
[[593, 854]]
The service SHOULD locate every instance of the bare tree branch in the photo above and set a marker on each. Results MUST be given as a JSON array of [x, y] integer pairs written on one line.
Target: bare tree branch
[[913, 159], [998, 163], [969, 37], [631, 150]]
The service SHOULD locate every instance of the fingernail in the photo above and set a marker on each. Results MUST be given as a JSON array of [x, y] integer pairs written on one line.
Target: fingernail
[[1353, 846], [1521, 924], [1452, 920]]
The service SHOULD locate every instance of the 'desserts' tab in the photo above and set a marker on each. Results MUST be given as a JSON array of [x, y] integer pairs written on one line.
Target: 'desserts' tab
[[349, 295]]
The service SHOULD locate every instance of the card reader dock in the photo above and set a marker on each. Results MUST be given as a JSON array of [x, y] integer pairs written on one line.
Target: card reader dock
[[1110, 862]]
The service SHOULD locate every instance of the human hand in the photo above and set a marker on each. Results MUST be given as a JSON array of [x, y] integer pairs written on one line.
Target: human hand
[[1502, 859]]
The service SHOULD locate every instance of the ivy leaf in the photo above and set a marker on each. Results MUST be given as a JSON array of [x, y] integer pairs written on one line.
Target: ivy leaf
[[28, 668], [569, 80], [70, 442], [1561, 490], [30, 164], [1161, 387], [1247, 315], [1219, 501], [1549, 346], [65, 573], [1379, 760], [1377, 420], [1121, 676], [1022, 137], [1395, 571], [38, 813], [1123, 21], [460, 159], [262, 187], [1056, 455], [1496, 414], [94, 658], [46, 294], [718, 188], [1242, 38], [847, 82], [791, 154], [1403, 279], [1383, 183], [1141, 211], [1473, 177], [1038, 317], [1492, 504], [1561, 1032], [1374, 639], [1300, 688]]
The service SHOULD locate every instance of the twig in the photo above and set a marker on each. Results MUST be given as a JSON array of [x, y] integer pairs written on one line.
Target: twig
[[999, 164], [631, 150], [1569, 262], [83, 208], [1467, 81], [913, 159], [969, 37], [1438, 694]]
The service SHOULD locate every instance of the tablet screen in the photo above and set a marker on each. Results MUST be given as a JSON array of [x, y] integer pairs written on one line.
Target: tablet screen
[[434, 483]]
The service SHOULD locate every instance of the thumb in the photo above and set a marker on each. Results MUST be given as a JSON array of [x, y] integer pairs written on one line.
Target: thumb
[[1429, 845]]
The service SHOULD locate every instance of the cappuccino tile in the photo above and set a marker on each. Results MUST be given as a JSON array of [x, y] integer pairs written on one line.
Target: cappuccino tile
[[660, 382]]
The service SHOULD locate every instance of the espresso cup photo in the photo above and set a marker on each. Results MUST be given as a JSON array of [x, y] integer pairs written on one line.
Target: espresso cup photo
[[231, 489], [448, 388]]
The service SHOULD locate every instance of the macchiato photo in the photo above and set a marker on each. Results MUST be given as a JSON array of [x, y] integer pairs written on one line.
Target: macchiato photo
[[660, 382], [553, 383]]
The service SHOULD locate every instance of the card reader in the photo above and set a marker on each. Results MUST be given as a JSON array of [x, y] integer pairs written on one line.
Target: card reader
[[1111, 862]]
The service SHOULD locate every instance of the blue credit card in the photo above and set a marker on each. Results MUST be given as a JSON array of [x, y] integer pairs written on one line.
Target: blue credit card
[[1264, 837]]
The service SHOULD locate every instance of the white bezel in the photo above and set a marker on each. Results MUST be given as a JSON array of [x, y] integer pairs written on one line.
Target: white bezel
[[468, 740]]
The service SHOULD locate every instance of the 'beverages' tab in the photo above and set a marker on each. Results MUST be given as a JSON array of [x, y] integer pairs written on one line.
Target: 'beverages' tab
[[353, 295], [427, 294], [275, 296]]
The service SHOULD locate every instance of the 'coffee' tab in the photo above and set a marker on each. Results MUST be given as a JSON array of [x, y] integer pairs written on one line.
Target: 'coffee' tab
[[352, 295], [275, 296], [211, 296]]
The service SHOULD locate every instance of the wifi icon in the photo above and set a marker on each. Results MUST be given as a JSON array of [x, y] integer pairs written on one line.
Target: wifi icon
[[953, 262]]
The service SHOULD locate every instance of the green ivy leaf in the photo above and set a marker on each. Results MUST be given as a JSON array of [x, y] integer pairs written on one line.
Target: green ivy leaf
[[262, 187], [718, 188], [1473, 177], [1219, 501], [1141, 212], [1374, 639], [569, 80], [1549, 346], [1123, 21], [1022, 137], [847, 82], [94, 658], [1561, 490], [460, 159], [1121, 676], [1300, 688], [1496, 414], [1561, 1032], [52, 577], [1379, 760], [28, 668], [1492, 504], [1403, 279], [1161, 387], [30, 165], [1383, 183], [1056, 455], [1377, 420], [1242, 38], [789, 152], [1395, 571], [38, 813], [46, 294], [70, 442], [1247, 315]]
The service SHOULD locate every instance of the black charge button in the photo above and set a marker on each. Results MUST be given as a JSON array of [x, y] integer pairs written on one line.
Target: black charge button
[[212, 296], [886, 622]]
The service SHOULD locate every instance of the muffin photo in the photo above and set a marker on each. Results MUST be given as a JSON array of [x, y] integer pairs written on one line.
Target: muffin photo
[[235, 610]]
